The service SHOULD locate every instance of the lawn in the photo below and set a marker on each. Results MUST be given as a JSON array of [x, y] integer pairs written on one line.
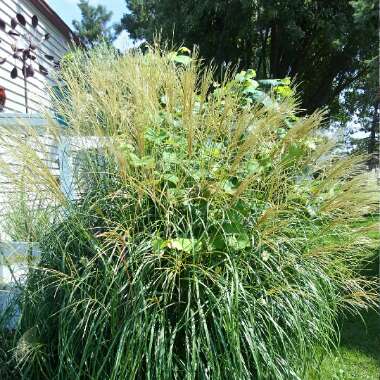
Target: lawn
[[358, 356]]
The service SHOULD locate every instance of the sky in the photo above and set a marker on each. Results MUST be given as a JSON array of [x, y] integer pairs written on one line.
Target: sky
[[68, 10]]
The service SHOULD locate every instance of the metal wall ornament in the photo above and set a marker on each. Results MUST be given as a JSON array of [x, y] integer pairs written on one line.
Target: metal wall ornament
[[3, 98], [27, 42]]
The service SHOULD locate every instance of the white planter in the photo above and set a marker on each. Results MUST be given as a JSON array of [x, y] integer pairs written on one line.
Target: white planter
[[15, 260]]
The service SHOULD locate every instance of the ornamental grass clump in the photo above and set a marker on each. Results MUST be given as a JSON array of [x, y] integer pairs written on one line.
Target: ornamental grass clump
[[209, 233]]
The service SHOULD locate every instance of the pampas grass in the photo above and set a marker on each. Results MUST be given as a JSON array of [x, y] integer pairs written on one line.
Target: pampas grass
[[202, 242]]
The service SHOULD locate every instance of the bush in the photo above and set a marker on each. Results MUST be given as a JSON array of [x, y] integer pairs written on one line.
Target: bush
[[8, 367], [212, 234]]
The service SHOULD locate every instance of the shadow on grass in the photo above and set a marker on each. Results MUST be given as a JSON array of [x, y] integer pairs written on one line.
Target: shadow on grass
[[358, 354], [362, 333]]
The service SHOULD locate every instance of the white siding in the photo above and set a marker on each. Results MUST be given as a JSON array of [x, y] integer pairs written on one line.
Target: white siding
[[56, 46], [45, 145]]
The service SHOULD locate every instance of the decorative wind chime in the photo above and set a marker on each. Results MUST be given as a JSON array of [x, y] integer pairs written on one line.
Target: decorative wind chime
[[26, 47]]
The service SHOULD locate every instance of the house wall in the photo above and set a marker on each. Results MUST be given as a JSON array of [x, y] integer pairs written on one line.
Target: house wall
[[56, 46], [32, 129]]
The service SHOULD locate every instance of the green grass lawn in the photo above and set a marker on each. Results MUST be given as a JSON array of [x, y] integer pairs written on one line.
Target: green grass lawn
[[358, 355]]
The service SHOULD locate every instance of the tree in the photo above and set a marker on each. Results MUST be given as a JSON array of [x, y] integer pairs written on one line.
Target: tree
[[326, 45], [360, 107], [93, 26]]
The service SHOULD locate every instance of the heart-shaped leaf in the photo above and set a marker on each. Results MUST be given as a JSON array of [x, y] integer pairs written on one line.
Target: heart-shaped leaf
[[170, 157], [34, 21], [146, 161], [21, 19], [172, 178], [183, 59], [270, 82], [251, 87], [184, 49], [238, 241], [183, 244], [250, 74], [42, 70], [25, 53], [13, 23], [14, 73], [29, 71]]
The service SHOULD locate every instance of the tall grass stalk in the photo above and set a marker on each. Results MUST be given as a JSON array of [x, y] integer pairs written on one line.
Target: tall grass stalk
[[210, 238]]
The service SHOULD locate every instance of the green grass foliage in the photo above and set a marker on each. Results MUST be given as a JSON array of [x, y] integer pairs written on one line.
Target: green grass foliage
[[212, 233]]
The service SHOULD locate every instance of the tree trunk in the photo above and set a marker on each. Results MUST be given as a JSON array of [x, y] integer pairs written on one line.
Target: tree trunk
[[274, 49], [372, 151]]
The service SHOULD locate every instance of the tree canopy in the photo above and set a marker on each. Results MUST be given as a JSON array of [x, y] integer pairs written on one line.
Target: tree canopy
[[93, 26], [325, 45]]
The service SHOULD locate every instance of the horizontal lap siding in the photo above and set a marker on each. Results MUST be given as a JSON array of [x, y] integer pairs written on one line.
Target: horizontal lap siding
[[56, 45], [44, 145]]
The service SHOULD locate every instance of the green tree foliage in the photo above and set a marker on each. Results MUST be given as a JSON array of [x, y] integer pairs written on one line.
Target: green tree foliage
[[324, 44], [93, 27]]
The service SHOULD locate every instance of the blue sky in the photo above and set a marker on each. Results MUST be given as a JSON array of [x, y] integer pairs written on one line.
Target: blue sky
[[69, 11]]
